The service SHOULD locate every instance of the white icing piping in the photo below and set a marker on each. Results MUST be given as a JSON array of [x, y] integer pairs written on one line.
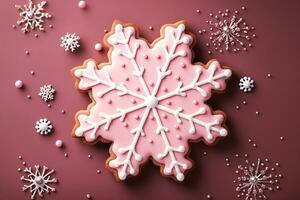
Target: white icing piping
[[192, 120], [179, 90], [91, 74], [170, 55], [130, 150], [139, 71], [121, 113], [169, 150]]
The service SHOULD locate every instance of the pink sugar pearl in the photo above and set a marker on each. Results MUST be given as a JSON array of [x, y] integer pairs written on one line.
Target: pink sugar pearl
[[58, 143], [98, 47], [19, 84], [82, 4]]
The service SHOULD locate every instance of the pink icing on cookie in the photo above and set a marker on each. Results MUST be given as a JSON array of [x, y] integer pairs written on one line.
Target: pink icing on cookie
[[159, 118]]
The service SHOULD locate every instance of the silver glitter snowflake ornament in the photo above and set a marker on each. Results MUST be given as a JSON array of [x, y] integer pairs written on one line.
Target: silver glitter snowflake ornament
[[70, 42], [43, 126], [246, 84], [38, 180], [229, 32], [32, 16], [255, 179], [47, 93]]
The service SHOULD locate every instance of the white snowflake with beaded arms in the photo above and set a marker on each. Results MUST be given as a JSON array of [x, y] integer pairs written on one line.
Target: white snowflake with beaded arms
[[149, 101], [38, 180], [70, 42], [47, 93], [32, 16]]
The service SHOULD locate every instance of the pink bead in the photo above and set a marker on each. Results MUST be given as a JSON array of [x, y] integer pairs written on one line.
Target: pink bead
[[164, 115], [136, 117], [133, 101], [137, 88], [125, 124], [168, 102], [177, 77], [98, 47], [58, 143], [176, 126], [195, 102], [109, 101], [19, 84], [82, 4], [151, 117]]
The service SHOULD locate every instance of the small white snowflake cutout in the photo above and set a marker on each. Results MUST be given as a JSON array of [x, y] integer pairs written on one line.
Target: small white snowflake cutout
[[229, 32], [70, 42], [38, 180], [246, 84], [255, 179], [43, 126], [47, 93], [32, 16]]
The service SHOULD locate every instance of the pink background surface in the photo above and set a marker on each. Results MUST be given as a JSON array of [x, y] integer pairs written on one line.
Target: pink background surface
[[275, 51]]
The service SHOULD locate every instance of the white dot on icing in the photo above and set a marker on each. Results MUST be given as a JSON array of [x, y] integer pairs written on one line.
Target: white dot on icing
[[180, 177], [78, 73], [122, 176], [209, 136], [119, 28], [223, 132], [181, 27], [186, 40]]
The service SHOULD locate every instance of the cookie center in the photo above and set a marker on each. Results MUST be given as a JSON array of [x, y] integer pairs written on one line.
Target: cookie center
[[151, 101]]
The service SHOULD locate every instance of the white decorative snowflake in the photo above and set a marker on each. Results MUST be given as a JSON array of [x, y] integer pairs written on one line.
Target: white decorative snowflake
[[70, 42], [43, 126], [255, 179], [229, 32], [32, 16], [38, 180], [47, 93], [150, 101], [246, 84]]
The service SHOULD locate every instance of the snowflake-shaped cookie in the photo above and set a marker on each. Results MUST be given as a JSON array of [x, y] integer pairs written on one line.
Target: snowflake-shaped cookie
[[149, 101], [32, 16], [70, 42], [47, 93], [38, 180]]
